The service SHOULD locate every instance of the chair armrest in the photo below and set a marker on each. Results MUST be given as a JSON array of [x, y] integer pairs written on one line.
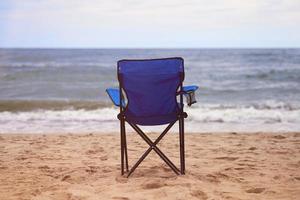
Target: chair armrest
[[114, 95], [190, 88], [189, 93]]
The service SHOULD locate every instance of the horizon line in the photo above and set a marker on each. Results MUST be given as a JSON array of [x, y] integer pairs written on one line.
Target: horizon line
[[162, 48]]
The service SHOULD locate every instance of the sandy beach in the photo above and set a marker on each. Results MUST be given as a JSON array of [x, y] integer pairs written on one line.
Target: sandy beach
[[87, 166]]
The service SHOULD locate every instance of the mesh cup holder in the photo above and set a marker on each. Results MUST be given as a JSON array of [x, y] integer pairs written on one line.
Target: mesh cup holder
[[190, 97]]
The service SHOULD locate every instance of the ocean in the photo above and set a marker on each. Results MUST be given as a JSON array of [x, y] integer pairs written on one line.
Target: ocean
[[63, 90]]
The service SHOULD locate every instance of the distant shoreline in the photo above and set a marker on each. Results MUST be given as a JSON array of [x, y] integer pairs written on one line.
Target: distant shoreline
[[148, 48]]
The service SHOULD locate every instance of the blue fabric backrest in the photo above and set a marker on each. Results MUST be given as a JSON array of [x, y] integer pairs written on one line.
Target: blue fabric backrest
[[150, 87]]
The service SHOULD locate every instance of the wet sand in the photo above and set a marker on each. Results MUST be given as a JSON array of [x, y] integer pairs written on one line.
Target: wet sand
[[87, 166]]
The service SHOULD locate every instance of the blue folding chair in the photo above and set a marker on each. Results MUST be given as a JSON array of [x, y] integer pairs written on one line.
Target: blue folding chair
[[147, 95]]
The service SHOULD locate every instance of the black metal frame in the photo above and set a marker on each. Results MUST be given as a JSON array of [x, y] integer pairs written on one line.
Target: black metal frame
[[152, 145]]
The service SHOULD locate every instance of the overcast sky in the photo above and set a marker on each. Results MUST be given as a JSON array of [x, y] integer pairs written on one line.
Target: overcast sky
[[150, 24]]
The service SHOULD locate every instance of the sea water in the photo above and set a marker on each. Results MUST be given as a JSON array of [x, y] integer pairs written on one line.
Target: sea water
[[63, 90]]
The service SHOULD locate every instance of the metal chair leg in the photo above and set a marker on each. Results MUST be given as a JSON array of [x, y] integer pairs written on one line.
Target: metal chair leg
[[181, 141], [122, 147], [183, 147], [125, 148]]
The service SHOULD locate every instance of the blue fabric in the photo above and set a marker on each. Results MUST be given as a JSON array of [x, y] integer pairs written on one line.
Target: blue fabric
[[152, 66], [189, 88], [150, 87], [114, 95]]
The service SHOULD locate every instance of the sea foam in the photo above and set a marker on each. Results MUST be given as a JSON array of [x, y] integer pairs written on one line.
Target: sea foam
[[201, 118]]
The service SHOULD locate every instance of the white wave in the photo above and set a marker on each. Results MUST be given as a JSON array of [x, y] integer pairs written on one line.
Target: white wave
[[58, 121], [51, 64], [204, 118], [243, 115]]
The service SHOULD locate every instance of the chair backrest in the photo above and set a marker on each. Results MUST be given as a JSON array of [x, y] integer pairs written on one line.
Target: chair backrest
[[150, 87]]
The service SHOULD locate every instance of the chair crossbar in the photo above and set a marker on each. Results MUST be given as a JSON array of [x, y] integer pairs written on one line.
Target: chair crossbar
[[152, 146], [156, 149]]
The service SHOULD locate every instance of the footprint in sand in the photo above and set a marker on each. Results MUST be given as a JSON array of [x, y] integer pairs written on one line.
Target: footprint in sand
[[221, 175], [3, 167], [60, 143], [227, 158], [280, 137], [297, 135], [106, 170], [255, 190], [103, 158], [66, 178], [120, 198], [252, 148], [44, 167], [121, 179], [277, 177], [199, 194], [152, 185], [297, 178], [21, 158], [239, 168], [91, 170], [94, 151], [212, 178], [53, 195]]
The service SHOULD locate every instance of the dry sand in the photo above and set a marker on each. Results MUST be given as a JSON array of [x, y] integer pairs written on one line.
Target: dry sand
[[86, 166]]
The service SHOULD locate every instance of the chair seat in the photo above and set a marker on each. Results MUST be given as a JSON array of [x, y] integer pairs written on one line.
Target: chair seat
[[152, 120]]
